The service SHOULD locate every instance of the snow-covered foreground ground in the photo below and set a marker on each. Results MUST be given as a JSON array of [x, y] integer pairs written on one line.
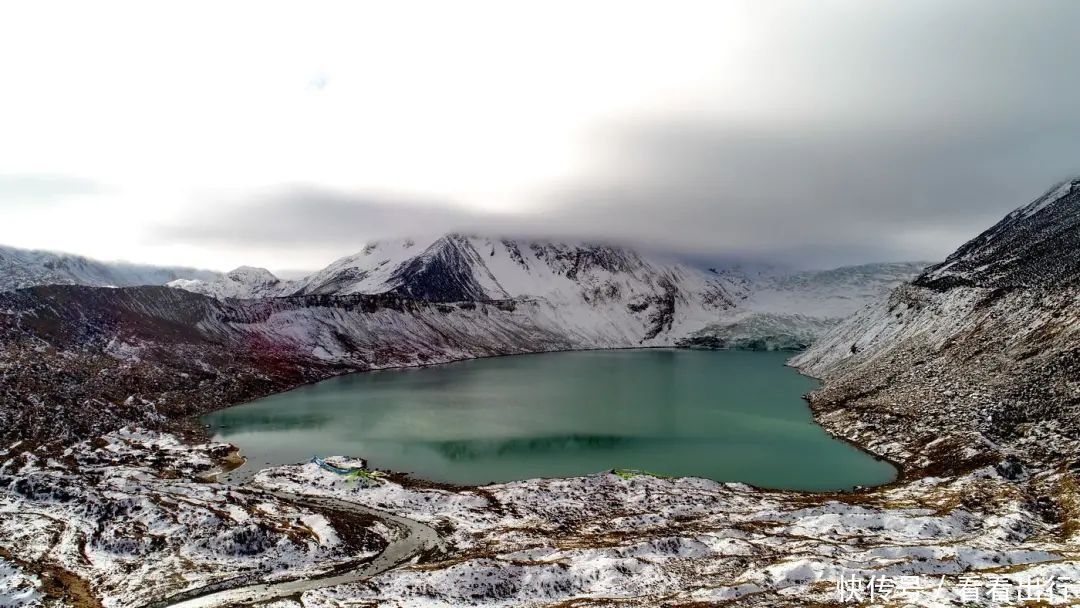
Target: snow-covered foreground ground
[[132, 519], [650, 541]]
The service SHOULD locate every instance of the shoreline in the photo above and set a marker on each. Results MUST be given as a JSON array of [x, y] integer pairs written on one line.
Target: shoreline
[[901, 477], [903, 473]]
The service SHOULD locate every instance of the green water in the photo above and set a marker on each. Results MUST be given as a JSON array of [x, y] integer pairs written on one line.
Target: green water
[[724, 415]]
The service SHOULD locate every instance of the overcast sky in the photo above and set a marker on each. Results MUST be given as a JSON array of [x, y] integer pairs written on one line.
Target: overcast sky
[[285, 135]]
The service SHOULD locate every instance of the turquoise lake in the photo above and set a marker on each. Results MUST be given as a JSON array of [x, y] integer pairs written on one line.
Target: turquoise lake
[[723, 415]]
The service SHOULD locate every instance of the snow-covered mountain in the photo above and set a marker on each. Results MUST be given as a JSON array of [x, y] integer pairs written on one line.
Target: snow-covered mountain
[[1037, 245], [829, 294], [987, 342], [457, 267], [243, 282], [594, 289], [21, 268], [602, 294], [638, 296], [1034, 252]]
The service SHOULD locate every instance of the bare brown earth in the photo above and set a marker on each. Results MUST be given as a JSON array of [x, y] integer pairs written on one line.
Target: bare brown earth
[[57, 583]]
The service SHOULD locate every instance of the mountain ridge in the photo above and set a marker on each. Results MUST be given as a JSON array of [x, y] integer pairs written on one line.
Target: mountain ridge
[[1041, 241], [593, 289], [613, 284], [20, 268]]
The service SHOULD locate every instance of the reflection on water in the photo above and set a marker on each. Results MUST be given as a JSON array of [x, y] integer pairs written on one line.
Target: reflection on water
[[731, 416], [486, 448], [276, 421]]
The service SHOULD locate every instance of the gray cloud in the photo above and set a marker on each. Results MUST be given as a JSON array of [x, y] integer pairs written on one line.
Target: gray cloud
[[806, 198], [814, 197], [310, 216], [886, 131]]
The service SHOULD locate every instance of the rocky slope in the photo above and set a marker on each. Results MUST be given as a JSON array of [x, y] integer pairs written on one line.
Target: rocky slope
[[981, 351], [21, 268], [1034, 247], [630, 539]]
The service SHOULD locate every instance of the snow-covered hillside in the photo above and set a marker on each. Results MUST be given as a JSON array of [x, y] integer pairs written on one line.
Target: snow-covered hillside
[[589, 287], [1030, 256], [21, 268], [243, 282], [595, 289], [829, 294], [985, 343], [457, 267]]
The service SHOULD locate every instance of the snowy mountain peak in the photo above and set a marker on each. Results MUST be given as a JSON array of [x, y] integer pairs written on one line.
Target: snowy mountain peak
[[642, 297], [252, 274], [456, 266], [242, 282], [597, 287]]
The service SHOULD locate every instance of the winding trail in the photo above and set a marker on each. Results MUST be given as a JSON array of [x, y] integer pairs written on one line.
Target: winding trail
[[418, 538]]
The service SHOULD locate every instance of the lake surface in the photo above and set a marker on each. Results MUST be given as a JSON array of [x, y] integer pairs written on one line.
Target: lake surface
[[724, 415]]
